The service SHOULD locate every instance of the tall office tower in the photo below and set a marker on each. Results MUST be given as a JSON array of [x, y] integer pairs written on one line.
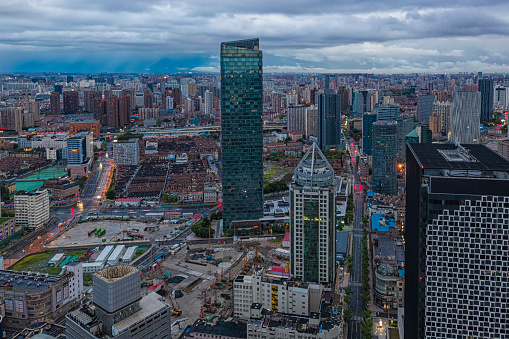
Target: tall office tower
[[166, 94], [368, 119], [124, 111], [209, 107], [465, 117], [71, 102], [361, 103], [296, 116], [385, 151], [77, 149], [343, 92], [176, 94], [132, 98], [425, 108], [456, 242], [242, 130], [311, 121], [54, 103], [500, 97], [435, 125], [329, 120], [32, 208], [88, 99], [312, 219], [111, 113], [148, 98], [108, 94], [405, 126], [32, 113], [487, 95], [387, 112], [443, 110], [58, 89], [11, 118]]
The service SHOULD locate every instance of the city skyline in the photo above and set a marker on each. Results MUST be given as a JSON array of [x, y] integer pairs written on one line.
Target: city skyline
[[300, 37]]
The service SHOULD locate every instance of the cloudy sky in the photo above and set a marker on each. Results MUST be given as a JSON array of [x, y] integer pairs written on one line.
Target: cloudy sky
[[379, 36]]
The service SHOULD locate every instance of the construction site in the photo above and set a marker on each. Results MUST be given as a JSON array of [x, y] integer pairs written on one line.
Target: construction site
[[197, 280]]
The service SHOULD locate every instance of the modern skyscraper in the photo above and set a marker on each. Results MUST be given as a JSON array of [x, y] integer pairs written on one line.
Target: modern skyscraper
[[241, 130], [313, 219], [500, 97], [487, 96], [405, 126], [77, 149], [368, 119], [465, 117], [55, 103], [329, 120], [361, 103], [387, 112], [296, 117], [311, 121], [148, 98], [385, 151], [209, 109], [71, 102], [425, 108], [456, 242]]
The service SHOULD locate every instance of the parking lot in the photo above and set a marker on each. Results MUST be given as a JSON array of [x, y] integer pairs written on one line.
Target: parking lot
[[114, 231]]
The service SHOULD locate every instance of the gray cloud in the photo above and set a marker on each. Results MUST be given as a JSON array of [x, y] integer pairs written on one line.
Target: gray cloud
[[370, 34]]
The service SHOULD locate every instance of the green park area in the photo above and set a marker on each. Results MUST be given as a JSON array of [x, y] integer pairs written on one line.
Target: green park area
[[38, 262]]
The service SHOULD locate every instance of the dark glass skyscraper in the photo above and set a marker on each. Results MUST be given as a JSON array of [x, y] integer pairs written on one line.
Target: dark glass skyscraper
[[487, 95], [368, 119], [456, 238], [329, 120], [385, 151], [241, 130]]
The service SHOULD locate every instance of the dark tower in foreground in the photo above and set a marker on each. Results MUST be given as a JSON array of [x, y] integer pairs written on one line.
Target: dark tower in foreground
[[457, 242], [487, 95], [241, 130]]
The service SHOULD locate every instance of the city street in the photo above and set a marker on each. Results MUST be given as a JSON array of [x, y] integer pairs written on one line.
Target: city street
[[357, 304]]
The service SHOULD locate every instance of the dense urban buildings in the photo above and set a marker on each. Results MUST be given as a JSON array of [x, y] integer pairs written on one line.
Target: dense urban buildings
[[241, 127], [456, 275], [312, 219], [126, 152]]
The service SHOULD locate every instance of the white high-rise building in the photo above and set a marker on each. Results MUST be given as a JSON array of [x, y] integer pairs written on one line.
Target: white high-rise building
[[297, 119], [185, 90], [209, 109], [443, 110], [32, 208], [126, 152], [465, 117], [169, 102], [313, 219]]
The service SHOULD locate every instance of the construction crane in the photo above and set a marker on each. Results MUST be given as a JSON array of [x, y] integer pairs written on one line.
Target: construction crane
[[174, 305]]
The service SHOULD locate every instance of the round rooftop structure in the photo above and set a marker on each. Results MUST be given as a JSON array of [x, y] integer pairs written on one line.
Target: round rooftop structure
[[314, 169]]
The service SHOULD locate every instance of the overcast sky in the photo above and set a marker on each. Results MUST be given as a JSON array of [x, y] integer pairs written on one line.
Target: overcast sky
[[379, 36]]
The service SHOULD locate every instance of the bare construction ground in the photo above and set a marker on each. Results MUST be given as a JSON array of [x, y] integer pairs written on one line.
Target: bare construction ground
[[115, 230], [205, 281]]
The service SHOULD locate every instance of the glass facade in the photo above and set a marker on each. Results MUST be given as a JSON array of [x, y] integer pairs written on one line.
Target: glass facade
[[385, 151], [241, 130], [329, 120]]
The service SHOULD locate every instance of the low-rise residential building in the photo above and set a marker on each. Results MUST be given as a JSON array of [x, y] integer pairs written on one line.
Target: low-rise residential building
[[32, 208], [62, 190], [220, 330], [8, 227], [128, 202], [277, 325]]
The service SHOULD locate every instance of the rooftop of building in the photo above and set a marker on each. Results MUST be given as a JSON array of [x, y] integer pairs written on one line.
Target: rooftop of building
[[381, 223], [452, 157], [221, 328], [301, 324], [387, 249], [85, 121], [149, 304], [26, 281], [114, 273], [41, 331]]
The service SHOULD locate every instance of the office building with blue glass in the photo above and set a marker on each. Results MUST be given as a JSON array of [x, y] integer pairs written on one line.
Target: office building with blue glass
[[329, 120], [385, 151], [368, 119], [241, 130]]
